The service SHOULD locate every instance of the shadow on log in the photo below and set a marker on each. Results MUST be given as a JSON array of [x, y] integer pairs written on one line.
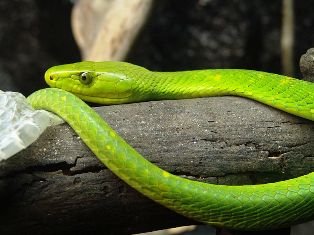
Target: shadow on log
[[57, 186]]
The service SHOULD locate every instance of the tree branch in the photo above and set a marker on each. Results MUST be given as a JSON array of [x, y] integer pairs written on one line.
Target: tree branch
[[58, 186]]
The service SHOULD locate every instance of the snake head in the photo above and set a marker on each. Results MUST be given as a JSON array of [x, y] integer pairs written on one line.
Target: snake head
[[99, 82]]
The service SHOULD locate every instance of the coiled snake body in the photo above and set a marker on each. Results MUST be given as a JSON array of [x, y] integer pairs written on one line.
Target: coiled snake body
[[248, 207]]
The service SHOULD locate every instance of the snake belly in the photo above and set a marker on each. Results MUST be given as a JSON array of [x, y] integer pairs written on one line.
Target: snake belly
[[247, 207]]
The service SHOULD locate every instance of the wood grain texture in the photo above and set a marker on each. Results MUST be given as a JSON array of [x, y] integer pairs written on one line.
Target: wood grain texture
[[58, 186]]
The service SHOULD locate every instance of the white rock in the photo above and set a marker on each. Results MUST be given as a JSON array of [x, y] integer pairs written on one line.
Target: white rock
[[20, 124]]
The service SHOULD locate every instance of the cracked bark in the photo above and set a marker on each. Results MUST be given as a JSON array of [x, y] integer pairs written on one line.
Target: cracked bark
[[58, 186]]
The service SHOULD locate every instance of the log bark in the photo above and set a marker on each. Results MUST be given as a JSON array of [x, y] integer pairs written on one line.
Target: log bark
[[58, 186], [307, 65]]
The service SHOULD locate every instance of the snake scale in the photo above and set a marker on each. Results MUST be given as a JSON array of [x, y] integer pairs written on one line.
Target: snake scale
[[247, 207]]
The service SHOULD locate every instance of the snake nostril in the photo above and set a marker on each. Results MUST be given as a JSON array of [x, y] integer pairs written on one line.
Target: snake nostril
[[51, 78]]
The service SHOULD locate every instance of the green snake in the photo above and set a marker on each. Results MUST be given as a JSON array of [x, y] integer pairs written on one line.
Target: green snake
[[247, 207]]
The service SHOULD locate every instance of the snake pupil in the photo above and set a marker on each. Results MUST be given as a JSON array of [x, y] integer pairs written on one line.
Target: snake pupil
[[85, 78]]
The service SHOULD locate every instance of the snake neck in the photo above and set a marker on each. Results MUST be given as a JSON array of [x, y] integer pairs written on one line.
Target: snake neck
[[185, 84], [271, 89]]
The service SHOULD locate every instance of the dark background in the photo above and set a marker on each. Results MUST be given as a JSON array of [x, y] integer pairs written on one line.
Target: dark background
[[179, 35]]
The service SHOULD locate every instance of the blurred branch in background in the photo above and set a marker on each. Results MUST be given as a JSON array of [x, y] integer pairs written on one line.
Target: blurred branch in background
[[106, 29], [287, 38]]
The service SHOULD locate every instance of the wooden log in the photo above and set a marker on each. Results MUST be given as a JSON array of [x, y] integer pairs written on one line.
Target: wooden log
[[307, 65], [58, 186]]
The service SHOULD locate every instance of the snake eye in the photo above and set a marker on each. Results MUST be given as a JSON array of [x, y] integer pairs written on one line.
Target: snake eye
[[86, 78]]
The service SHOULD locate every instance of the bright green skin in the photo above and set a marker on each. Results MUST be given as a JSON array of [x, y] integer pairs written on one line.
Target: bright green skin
[[248, 207]]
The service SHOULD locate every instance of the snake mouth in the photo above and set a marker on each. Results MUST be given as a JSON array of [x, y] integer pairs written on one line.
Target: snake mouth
[[103, 100]]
